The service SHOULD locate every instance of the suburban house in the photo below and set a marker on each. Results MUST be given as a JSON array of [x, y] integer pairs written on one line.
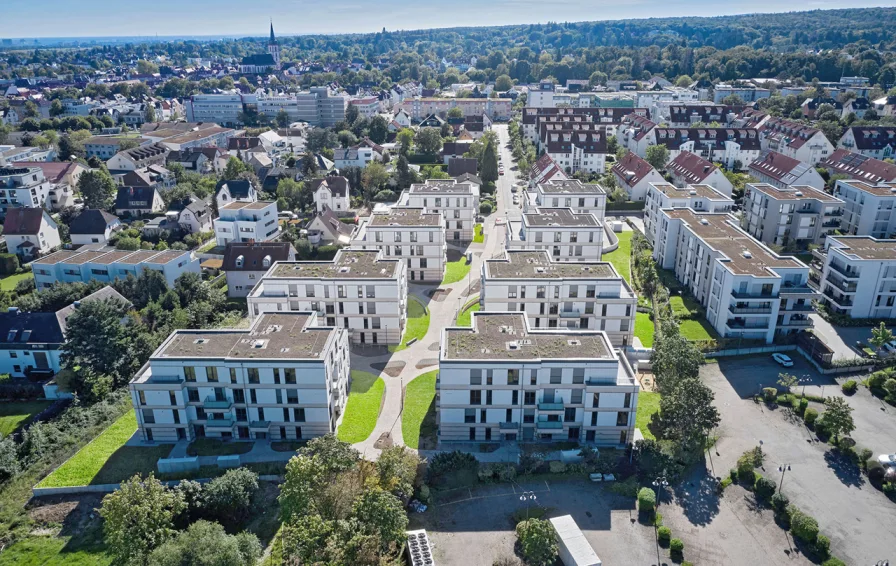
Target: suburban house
[[700, 198], [93, 226], [63, 178], [200, 159], [778, 170], [878, 142], [458, 166], [23, 187], [246, 221], [333, 192], [236, 190], [858, 166], [455, 149], [868, 208], [194, 215], [795, 139], [691, 169], [326, 228], [150, 176], [856, 276], [138, 158], [634, 175], [790, 216], [102, 263], [137, 201], [545, 169], [411, 234], [245, 263], [30, 232], [357, 156]]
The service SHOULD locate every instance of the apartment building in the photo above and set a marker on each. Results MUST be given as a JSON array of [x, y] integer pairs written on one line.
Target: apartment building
[[545, 169], [554, 294], [732, 147], [583, 198], [224, 109], [780, 171], [691, 169], [686, 115], [858, 166], [636, 134], [795, 139], [878, 142], [791, 216], [411, 234], [857, 276], [568, 236], [23, 187], [501, 379], [745, 93], [246, 221], [285, 378], [98, 262], [458, 202], [368, 106], [577, 149], [868, 208], [609, 118], [320, 106], [361, 291], [495, 108], [634, 175], [700, 198], [748, 291], [245, 263]]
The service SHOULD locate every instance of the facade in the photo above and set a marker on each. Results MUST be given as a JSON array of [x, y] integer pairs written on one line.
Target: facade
[[286, 377], [368, 106], [106, 147], [780, 171], [700, 198], [30, 232], [240, 190], [319, 106], [361, 291], [634, 175], [691, 169], [878, 142], [495, 108], [63, 177], [568, 236], [333, 192], [749, 292], [245, 222], [93, 226], [868, 209], [577, 150], [856, 276], [545, 169], [553, 294], [246, 263], [745, 93], [501, 379], [457, 202], [858, 166], [411, 234], [221, 109], [686, 115], [139, 158], [358, 156], [794, 215], [732, 147], [583, 198], [23, 187], [107, 264], [327, 228], [795, 140], [609, 118], [137, 201]]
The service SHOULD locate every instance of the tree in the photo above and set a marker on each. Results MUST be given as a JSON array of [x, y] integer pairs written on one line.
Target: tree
[[97, 188], [97, 340], [347, 138], [378, 130], [382, 516], [733, 100], [674, 357], [405, 140], [293, 194], [229, 498], [56, 108], [880, 336], [320, 139], [139, 518], [657, 156], [234, 167], [373, 178], [538, 541], [206, 544], [308, 165], [687, 413], [302, 481], [503, 83], [684, 81], [146, 67], [351, 114], [488, 169], [429, 141], [335, 455], [282, 119], [837, 417], [456, 112], [397, 469], [150, 113], [787, 381]]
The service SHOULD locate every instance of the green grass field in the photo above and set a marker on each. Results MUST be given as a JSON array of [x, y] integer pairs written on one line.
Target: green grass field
[[456, 271], [697, 330], [478, 237], [15, 414], [621, 257], [644, 329], [418, 324], [9, 283], [648, 405], [418, 418], [86, 549], [684, 307], [106, 459], [363, 407], [465, 318]]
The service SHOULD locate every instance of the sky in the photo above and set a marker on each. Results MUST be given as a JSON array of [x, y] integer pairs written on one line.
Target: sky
[[110, 18]]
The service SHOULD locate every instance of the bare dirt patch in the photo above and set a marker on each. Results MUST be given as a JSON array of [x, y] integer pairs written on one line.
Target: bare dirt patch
[[384, 441]]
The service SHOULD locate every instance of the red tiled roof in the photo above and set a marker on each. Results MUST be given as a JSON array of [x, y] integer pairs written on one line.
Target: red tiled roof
[[776, 165], [691, 167], [632, 169], [858, 166], [789, 133], [54, 171]]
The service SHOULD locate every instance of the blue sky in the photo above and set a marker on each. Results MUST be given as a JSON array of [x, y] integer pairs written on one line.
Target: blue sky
[[81, 18]]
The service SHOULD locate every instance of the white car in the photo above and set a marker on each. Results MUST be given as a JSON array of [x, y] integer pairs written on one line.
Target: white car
[[887, 460], [783, 359]]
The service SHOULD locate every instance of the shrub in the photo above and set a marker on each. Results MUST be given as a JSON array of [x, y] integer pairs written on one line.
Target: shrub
[[664, 534], [646, 499], [780, 502], [876, 472], [769, 394], [530, 462], [485, 208], [804, 403], [810, 416], [538, 541], [424, 494], [877, 379], [833, 562], [557, 467], [676, 547], [447, 462], [803, 526], [764, 488], [732, 475], [9, 264], [228, 499], [822, 547], [849, 387]]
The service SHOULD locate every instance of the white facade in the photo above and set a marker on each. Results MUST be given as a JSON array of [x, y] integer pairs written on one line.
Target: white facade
[[700, 198], [221, 109], [353, 157], [796, 140], [225, 196], [28, 243], [457, 202], [583, 198], [566, 235], [108, 264], [286, 377], [635, 175], [857, 276], [411, 234], [23, 187], [245, 221], [795, 215], [368, 106], [868, 210], [360, 290], [337, 200]]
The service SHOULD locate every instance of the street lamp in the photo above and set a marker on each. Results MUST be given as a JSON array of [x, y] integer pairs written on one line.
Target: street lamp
[[783, 469], [528, 496], [658, 483]]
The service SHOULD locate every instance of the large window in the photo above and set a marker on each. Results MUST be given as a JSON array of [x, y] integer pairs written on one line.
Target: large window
[[190, 374], [253, 375]]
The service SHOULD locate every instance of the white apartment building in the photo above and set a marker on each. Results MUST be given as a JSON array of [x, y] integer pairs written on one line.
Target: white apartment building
[[700, 198], [501, 379], [23, 187], [106, 264], [285, 378], [794, 215], [568, 236], [457, 202], [411, 234], [795, 139], [746, 93], [748, 291], [246, 221], [868, 210], [495, 108], [857, 276], [577, 150], [553, 294], [368, 106], [583, 198], [361, 291], [319, 107], [224, 109], [878, 142]]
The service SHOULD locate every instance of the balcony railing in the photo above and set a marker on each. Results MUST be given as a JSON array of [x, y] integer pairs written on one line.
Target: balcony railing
[[226, 422], [798, 322], [212, 403], [508, 426], [842, 271], [556, 405], [797, 308], [260, 425], [750, 310], [842, 301], [753, 295], [549, 425], [570, 314], [845, 286], [742, 325]]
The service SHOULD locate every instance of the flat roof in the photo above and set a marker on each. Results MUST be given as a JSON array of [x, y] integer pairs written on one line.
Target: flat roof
[[405, 216], [746, 256], [544, 216], [272, 336], [865, 247], [104, 255], [537, 264], [348, 264], [698, 190], [880, 189], [441, 186], [506, 336], [570, 186], [238, 205], [795, 192]]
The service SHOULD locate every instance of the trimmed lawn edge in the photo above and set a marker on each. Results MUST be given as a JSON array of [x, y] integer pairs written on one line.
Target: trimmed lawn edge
[[361, 427]]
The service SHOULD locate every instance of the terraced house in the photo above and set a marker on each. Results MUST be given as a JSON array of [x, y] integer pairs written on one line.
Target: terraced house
[[503, 380], [413, 235], [553, 294], [286, 377], [361, 291], [101, 263], [566, 235]]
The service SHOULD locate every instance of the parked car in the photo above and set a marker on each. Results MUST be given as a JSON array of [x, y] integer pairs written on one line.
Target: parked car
[[782, 359], [887, 460], [287, 215]]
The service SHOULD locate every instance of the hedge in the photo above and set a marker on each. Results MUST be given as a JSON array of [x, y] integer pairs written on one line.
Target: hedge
[[646, 500]]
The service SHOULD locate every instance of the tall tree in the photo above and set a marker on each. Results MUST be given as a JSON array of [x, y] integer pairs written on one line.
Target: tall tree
[[204, 544], [372, 180], [837, 418], [429, 141], [687, 413], [97, 188], [97, 339], [282, 119], [489, 164], [657, 156], [378, 129], [405, 140], [674, 357], [880, 336]]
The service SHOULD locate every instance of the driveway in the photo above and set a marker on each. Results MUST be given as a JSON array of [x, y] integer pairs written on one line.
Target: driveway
[[841, 339]]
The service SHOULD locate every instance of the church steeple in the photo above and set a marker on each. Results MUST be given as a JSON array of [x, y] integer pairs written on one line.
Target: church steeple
[[273, 39], [274, 47]]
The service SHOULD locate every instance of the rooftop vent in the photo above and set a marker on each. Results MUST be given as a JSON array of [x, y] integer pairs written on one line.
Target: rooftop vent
[[513, 345], [259, 343], [574, 342], [747, 254], [799, 193], [200, 341], [704, 221]]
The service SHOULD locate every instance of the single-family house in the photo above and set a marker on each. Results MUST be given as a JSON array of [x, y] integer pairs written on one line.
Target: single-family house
[[332, 192], [30, 232], [137, 201], [93, 226], [236, 190], [246, 262]]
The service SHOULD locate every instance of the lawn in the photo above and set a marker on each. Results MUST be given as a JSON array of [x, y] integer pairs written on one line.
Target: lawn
[[9, 283], [418, 420], [696, 330], [363, 407], [418, 324], [83, 549], [648, 405], [621, 257], [13, 414], [683, 307], [644, 329], [106, 459], [214, 447], [456, 271], [465, 318], [478, 236]]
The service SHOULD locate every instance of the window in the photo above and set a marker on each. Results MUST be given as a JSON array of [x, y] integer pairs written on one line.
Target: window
[[211, 373], [253, 375], [148, 416], [533, 377], [475, 377], [515, 397], [475, 397], [528, 415], [252, 396], [578, 375], [193, 395], [577, 395], [469, 415], [488, 397], [239, 396], [596, 400], [529, 398], [513, 376], [232, 375], [628, 401], [556, 375], [142, 396], [298, 415], [488, 377], [241, 414], [569, 415], [200, 414], [621, 419], [290, 375]]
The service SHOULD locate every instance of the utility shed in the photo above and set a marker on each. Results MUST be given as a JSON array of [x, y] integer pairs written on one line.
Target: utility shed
[[574, 548]]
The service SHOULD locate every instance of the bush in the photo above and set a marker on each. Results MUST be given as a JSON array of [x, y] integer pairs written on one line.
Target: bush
[[833, 562], [538, 541], [557, 467], [780, 502], [424, 494], [646, 500], [676, 547], [810, 416], [485, 208], [664, 534], [764, 488], [877, 379], [849, 387], [732, 474], [803, 526], [9, 264], [822, 547], [876, 472], [804, 403], [769, 394], [228, 499]]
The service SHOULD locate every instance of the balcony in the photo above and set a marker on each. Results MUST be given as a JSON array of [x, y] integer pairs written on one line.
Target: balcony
[[751, 295], [800, 323], [549, 425], [749, 310], [842, 301], [742, 325], [797, 308], [556, 405], [836, 212], [844, 286], [211, 403], [842, 271], [509, 426], [831, 224], [797, 290], [223, 423], [570, 314], [259, 426]]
